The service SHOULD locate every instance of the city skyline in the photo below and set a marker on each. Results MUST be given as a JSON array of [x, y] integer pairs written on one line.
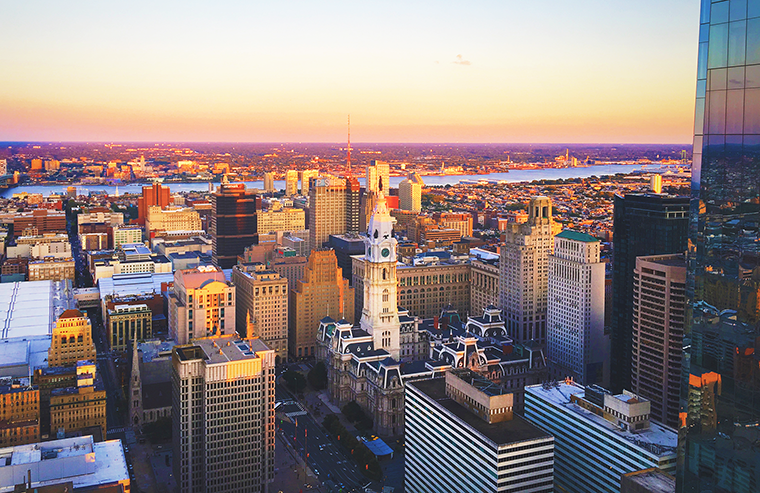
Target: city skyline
[[495, 72]]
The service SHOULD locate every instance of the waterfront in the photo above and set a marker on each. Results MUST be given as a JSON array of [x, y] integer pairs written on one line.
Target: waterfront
[[520, 175]]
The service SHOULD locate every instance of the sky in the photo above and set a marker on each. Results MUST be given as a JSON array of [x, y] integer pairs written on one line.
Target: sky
[[503, 71]]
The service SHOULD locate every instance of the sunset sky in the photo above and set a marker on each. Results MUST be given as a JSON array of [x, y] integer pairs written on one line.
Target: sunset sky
[[407, 71]]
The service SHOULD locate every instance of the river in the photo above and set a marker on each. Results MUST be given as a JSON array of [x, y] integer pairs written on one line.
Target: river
[[520, 175]]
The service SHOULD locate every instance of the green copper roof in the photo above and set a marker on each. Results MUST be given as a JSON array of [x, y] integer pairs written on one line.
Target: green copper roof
[[575, 235]]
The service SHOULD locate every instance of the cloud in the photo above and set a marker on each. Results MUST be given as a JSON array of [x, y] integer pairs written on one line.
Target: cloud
[[461, 61]]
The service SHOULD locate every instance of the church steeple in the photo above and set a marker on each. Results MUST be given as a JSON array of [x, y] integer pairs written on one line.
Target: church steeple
[[135, 388]]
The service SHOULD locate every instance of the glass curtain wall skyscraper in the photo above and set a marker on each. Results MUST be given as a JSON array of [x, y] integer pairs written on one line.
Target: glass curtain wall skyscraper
[[720, 394]]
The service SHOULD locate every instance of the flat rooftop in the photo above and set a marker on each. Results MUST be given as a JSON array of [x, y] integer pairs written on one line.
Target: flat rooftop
[[20, 356], [518, 429], [79, 460], [650, 480], [658, 439], [221, 349], [31, 308], [133, 284]]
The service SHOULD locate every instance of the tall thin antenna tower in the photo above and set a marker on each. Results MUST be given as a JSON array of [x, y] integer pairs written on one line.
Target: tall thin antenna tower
[[348, 150]]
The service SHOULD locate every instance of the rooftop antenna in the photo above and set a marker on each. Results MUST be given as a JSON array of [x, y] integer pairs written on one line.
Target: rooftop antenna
[[348, 150]]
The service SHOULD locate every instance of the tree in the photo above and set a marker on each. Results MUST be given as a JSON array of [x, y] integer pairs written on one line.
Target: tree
[[352, 411], [294, 380], [317, 376]]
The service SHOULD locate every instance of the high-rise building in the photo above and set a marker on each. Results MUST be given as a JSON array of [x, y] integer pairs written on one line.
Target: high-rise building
[[291, 182], [644, 224], [484, 280], [289, 264], [201, 305], [461, 432], [262, 306], [82, 407], [307, 177], [125, 323], [598, 436], [269, 181], [223, 415], [285, 219], [378, 177], [410, 193], [322, 292], [233, 222], [524, 266], [156, 194], [576, 345], [720, 393], [172, 219], [659, 309], [71, 340], [333, 209]]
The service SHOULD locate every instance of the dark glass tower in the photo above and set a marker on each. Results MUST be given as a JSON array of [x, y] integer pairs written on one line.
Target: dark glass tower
[[233, 223], [720, 393], [644, 224]]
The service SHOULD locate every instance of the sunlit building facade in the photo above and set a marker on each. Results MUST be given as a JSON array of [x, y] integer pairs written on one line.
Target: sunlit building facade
[[720, 393]]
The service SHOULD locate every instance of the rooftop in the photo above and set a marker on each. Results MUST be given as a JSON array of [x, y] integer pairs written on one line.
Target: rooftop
[[79, 460], [658, 439], [221, 349], [30, 308], [569, 234], [650, 480], [517, 429], [133, 284]]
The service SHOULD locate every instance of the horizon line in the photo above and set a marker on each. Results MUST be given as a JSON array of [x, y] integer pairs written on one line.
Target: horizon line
[[3, 142]]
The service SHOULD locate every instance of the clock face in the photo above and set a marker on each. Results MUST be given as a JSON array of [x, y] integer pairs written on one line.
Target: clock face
[[385, 252]]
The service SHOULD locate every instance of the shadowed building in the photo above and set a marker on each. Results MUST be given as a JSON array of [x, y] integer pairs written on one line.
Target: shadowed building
[[233, 222]]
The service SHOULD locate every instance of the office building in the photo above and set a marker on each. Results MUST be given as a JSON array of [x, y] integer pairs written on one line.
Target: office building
[[153, 195], [307, 177], [650, 480], [38, 221], [410, 193], [262, 306], [80, 408], [378, 177], [644, 224], [462, 436], [40, 246], [223, 429], [73, 464], [345, 247], [233, 222], [173, 218], [428, 283], [720, 395], [576, 345], [461, 222], [659, 310], [289, 265], [284, 219], [524, 265], [127, 323], [124, 235], [269, 182], [322, 292], [598, 436], [202, 304], [51, 269], [333, 209], [19, 412], [484, 280], [291, 183], [71, 340]]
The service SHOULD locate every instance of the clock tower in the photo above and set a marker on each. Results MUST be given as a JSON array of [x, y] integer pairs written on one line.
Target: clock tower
[[380, 313]]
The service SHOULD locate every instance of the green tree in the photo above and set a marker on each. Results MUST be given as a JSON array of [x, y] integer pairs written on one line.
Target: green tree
[[294, 380], [317, 376]]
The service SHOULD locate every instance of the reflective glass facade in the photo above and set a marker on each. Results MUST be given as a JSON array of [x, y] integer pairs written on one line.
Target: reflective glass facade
[[233, 225], [720, 395]]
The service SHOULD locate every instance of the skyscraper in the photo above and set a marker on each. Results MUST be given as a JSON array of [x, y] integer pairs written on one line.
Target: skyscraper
[[575, 342], [307, 180], [269, 181], [323, 292], [233, 222], [223, 415], [524, 265], [410, 193], [333, 209], [155, 194], [659, 306], [378, 177], [720, 406], [644, 224], [71, 340], [291, 182]]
